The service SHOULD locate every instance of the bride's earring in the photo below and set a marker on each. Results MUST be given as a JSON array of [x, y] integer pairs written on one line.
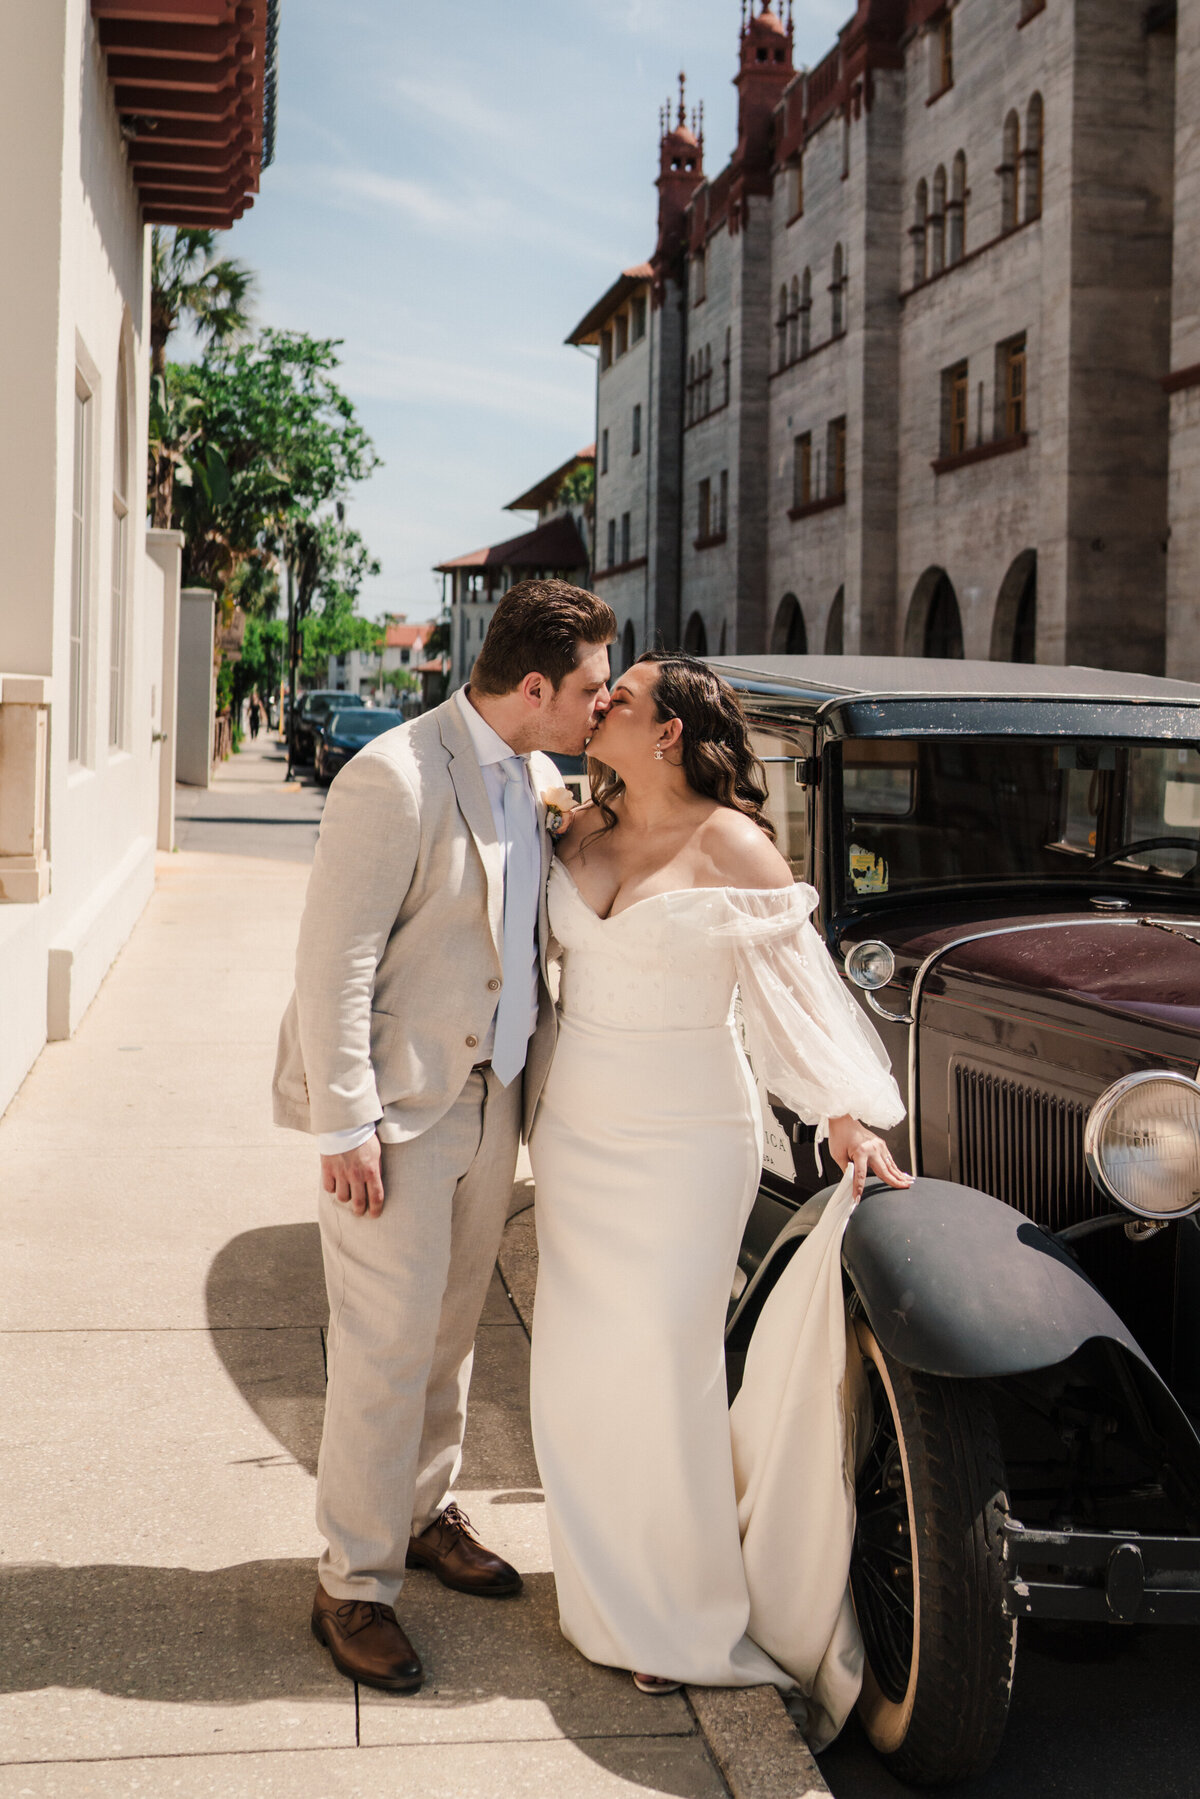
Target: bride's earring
[[658, 755]]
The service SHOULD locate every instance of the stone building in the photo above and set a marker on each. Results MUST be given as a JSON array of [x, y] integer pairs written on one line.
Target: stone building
[[112, 116], [909, 346], [558, 545], [1182, 384]]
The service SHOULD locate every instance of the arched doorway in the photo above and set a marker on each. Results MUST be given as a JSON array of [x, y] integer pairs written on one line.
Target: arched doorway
[[934, 626], [835, 625], [788, 636], [1014, 627], [628, 647], [695, 638]]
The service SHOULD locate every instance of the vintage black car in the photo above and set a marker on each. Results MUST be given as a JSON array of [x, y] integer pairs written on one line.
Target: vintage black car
[[1008, 864], [341, 734]]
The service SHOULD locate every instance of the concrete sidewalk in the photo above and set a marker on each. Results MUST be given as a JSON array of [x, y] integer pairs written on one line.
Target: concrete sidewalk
[[163, 1332]]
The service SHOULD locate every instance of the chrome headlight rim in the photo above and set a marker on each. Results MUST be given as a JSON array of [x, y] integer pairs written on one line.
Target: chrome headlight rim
[[857, 957], [1099, 1116]]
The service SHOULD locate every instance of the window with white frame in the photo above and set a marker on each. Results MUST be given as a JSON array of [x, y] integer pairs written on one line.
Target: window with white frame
[[81, 548], [119, 617]]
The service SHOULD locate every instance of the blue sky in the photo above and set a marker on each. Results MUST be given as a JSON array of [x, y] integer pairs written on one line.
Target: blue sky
[[453, 187]]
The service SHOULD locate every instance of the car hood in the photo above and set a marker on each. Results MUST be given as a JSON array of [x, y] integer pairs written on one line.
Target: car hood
[[1140, 967]]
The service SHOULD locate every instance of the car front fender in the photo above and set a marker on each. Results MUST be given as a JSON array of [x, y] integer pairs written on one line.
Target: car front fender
[[952, 1282], [955, 1282]]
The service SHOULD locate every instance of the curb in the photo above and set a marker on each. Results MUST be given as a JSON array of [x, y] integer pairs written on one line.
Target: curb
[[747, 1730]]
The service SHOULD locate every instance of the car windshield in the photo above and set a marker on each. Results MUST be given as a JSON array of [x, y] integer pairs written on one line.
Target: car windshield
[[363, 723], [957, 812]]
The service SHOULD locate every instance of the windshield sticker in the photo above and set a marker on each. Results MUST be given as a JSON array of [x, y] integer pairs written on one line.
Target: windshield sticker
[[868, 872]]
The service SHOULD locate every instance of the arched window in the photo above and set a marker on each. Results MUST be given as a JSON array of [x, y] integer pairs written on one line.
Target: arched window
[[943, 623], [917, 231], [806, 313], [835, 625], [838, 291], [119, 634], [1031, 159], [1014, 624], [794, 320], [788, 636], [934, 625], [628, 646], [781, 329], [1008, 172], [956, 211], [937, 223], [695, 638]]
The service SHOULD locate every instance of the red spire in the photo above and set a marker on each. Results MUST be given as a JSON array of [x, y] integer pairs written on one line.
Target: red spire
[[765, 68], [680, 173]]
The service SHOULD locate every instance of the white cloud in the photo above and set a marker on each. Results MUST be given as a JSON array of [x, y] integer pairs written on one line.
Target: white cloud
[[423, 379]]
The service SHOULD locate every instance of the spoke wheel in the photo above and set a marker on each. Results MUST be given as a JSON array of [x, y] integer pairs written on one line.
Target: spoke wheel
[[927, 1573]]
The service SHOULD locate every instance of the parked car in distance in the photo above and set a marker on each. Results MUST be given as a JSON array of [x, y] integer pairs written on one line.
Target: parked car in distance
[[1007, 863], [342, 734], [311, 714]]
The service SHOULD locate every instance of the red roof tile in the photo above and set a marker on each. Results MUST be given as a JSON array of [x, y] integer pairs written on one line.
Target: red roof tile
[[556, 545]]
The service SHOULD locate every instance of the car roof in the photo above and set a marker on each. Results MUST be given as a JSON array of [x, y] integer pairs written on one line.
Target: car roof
[[822, 678]]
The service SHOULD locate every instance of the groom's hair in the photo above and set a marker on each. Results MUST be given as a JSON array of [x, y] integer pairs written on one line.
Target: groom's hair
[[537, 628]]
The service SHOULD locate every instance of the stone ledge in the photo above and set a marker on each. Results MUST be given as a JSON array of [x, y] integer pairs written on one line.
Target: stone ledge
[[826, 504], [1002, 446], [755, 1744]]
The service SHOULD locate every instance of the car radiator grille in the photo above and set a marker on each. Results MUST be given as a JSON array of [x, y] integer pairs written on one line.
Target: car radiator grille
[[1022, 1145]]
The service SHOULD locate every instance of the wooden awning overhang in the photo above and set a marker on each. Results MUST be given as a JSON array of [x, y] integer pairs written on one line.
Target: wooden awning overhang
[[194, 84]]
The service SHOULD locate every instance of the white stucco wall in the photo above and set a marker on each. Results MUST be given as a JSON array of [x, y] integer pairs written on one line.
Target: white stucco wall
[[70, 223]]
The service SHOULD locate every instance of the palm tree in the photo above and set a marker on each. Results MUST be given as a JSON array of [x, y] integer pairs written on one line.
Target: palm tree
[[188, 281]]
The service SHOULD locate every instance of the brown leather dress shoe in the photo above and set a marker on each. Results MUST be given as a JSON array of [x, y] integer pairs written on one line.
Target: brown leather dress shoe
[[450, 1549], [366, 1642]]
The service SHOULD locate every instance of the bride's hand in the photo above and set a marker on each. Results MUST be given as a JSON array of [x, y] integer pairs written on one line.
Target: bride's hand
[[851, 1142]]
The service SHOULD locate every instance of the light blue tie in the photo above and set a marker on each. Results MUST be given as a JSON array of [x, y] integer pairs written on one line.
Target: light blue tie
[[521, 868]]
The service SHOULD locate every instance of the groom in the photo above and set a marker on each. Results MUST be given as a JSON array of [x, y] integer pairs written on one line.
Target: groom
[[415, 1047]]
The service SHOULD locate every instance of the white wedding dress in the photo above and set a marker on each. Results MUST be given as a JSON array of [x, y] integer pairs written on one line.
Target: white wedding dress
[[683, 1547]]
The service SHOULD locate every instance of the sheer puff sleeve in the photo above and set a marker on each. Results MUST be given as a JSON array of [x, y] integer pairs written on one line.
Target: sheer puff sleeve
[[810, 1044]]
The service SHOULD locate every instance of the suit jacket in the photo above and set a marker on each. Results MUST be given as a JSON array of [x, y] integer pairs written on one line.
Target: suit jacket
[[399, 960]]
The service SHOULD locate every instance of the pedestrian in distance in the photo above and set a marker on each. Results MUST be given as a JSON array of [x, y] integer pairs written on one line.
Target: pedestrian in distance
[[415, 1047], [255, 716]]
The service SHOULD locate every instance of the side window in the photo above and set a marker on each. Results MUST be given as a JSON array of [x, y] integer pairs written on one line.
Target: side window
[[784, 756]]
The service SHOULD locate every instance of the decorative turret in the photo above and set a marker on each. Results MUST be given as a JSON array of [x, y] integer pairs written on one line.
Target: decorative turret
[[680, 173], [765, 68]]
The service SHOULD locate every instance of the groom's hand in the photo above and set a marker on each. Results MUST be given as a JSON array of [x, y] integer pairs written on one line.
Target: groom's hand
[[354, 1178]]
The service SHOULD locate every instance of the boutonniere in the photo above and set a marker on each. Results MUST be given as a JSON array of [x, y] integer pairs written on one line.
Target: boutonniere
[[560, 803]]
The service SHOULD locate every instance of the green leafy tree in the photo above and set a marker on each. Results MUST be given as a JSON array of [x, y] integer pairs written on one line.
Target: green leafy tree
[[260, 668], [579, 487], [191, 284]]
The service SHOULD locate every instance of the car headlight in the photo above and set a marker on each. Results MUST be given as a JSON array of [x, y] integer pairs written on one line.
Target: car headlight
[[1142, 1142], [870, 965]]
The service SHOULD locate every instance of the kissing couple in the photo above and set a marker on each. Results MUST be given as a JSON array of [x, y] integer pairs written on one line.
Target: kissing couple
[[463, 978]]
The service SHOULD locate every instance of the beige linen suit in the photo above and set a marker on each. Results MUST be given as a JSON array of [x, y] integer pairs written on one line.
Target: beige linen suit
[[398, 971]]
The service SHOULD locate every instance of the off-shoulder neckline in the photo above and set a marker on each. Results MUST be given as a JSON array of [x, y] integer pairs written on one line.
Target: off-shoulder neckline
[[668, 893]]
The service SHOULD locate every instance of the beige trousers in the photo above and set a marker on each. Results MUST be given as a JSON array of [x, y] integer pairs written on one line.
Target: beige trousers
[[405, 1293]]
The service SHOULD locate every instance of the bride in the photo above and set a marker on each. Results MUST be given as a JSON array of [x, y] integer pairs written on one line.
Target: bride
[[680, 1552]]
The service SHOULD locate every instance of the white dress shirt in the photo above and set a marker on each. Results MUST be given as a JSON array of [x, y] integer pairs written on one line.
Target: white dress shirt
[[490, 750]]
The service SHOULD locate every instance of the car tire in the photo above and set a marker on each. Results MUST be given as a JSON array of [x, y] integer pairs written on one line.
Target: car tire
[[939, 1648]]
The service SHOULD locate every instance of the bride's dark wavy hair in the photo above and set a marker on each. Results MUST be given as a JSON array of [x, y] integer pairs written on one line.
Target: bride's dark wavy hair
[[717, 759]]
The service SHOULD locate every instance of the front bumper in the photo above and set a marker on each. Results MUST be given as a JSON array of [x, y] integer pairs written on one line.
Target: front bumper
[[1109, 1577]]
